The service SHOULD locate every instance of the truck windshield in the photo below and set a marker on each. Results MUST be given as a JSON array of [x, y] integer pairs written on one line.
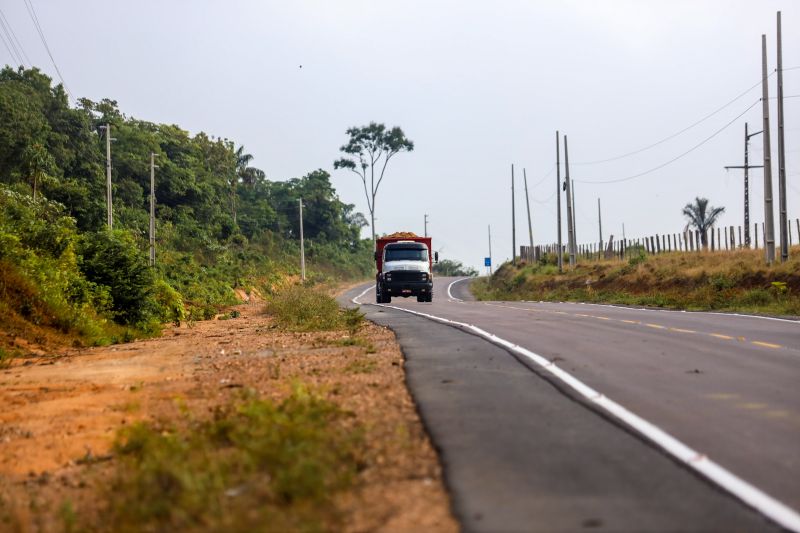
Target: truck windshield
[[405, 254]]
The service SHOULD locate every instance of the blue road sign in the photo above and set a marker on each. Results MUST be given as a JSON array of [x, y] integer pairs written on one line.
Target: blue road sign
[[487, 261]]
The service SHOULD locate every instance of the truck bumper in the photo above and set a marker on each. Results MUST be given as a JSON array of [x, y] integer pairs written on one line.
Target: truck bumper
[[407, 288]]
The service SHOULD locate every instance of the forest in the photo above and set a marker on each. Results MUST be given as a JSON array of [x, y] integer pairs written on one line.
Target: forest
[[221, 226]]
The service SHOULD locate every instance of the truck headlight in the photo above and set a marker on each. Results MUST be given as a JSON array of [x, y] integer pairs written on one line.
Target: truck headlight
[[388, 276], [424, 276]]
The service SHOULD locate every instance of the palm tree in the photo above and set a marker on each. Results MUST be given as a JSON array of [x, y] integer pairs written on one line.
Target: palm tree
[[702, 217]]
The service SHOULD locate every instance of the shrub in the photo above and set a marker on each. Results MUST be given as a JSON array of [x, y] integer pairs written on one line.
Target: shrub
[[111, 259], [256, 465], [301, 308]]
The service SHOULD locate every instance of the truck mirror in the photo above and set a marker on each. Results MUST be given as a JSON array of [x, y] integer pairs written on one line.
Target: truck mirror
[[375, 253], [435, 257]]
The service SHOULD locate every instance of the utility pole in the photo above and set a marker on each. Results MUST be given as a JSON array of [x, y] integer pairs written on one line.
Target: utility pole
[[769, 221], [302, 244], [426, 224], [558, 203], [574, 215], [513, 222], [600, 224], [109, 205], [567, 188], [782, 156], [528, 205], [747, 166], [490, 249], [152, 209]]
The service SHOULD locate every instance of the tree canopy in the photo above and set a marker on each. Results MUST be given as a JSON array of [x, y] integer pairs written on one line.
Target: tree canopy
[[368, 148], [702, 217]]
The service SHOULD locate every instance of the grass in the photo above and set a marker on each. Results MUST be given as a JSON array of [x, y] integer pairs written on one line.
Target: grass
[[301, 308], [256, 465], [723, 281]]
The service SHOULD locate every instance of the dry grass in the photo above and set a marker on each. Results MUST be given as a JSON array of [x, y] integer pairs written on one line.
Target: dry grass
[[725, 281]]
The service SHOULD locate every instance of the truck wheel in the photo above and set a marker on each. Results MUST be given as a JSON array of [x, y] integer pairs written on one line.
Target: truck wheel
[[378, 296], [429, 298], [387, 299], [422, 298]]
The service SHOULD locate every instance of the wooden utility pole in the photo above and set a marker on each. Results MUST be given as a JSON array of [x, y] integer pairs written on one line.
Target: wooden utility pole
[[567, 188], [426, 224], [600, 223], [783, 220], [152, 209], [769, 220], [747, 166], [558, 203], [528, 205], [302, 244], [513, 222]]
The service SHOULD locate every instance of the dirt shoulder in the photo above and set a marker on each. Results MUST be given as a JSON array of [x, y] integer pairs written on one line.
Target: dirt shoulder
[[61, 416]]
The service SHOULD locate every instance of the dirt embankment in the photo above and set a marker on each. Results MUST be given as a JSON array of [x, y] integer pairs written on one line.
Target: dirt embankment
[[60, 415]]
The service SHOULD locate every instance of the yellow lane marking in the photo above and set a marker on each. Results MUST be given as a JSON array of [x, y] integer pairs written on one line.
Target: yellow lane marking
[[721, 336], [630, 321], [584, 316], [679, 330], [767, 344], [722, 396], [656, 326], [752, 406], [602, 318], [777, 414]]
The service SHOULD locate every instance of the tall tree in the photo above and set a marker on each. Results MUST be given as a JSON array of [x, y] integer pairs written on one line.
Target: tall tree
[[39, 163], [702, 217], [370, 147]]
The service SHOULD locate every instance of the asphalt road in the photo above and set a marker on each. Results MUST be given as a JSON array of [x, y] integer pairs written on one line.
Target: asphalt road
[[522, 451]]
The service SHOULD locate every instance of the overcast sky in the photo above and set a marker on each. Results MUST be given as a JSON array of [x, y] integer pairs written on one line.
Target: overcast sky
[[476, 85]]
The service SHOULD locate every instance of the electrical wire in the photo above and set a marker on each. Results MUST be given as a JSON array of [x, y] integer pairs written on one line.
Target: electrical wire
[[687, 152], [35, 19], [541, 180], [13, 50], [687, 128], [13, 58], [15, 39]]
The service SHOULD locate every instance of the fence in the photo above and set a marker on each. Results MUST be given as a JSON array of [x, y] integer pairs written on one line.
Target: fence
[[726, 238]]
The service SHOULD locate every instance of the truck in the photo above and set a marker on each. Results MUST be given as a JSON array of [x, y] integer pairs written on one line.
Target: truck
[[405, 267]]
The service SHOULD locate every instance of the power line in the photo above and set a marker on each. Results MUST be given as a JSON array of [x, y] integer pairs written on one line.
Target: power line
[[687, 152], [14, 51], [15, 39], [35, 19], [687, 128], [13, 58]]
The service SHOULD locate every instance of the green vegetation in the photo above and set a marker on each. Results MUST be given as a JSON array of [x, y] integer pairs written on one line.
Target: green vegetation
[[220, 224], [449, 267], [702, 217], [368, 149], [300, 308], [256, 465], [721, 281]]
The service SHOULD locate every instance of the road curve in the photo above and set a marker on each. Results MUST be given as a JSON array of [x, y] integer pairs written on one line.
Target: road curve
[[522, 451]]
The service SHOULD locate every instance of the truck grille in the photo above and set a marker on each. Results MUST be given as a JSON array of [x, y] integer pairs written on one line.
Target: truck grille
[[406, 275]]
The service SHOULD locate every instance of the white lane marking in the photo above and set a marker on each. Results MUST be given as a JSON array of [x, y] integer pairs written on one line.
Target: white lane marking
[[450, 295], [632, 308], [770, 507]]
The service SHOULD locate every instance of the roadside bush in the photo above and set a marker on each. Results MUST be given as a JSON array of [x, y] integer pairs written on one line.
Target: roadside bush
[[170, 303], [111, 259], [257, 465], [300, 308]]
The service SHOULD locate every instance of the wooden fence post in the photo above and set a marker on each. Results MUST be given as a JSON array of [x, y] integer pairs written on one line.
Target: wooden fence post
[[733, 239], [740, 236], [755, 234]]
